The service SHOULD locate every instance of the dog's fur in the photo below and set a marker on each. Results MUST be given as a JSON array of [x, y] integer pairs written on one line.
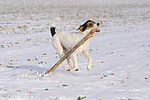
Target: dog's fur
[[63, 42]]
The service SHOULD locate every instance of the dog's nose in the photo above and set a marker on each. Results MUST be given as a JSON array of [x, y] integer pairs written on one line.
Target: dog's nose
[[97, 24]]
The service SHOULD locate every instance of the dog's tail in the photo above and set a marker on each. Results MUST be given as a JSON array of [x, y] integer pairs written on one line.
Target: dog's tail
[[53, 27]]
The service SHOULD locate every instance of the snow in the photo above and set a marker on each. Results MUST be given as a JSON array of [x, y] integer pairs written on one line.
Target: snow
[[120, 52]]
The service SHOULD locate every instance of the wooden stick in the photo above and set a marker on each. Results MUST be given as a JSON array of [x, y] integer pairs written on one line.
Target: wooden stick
[[70, 52]]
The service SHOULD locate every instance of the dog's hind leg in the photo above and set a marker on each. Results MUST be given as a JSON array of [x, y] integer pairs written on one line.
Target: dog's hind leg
[[63, 63], [59, 49], [86, 54], [75, 64], [69, 60]]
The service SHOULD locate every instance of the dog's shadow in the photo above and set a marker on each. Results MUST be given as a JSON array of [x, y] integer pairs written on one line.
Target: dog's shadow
[[41, 70], [33, 68]]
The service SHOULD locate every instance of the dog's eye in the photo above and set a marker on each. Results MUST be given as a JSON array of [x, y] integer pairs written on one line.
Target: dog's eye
[[90, 24]]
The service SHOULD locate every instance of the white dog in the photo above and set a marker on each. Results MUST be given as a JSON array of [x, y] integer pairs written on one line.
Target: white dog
[[63, 42]]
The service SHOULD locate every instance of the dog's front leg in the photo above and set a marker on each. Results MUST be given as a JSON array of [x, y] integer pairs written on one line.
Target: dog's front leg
[[86, 54]]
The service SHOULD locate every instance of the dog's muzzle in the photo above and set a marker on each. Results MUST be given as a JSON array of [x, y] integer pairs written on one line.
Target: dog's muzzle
[[98, 24], [97, 28]]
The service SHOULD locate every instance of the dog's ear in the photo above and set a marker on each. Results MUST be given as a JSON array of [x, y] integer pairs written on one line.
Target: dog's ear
[[80, 28]]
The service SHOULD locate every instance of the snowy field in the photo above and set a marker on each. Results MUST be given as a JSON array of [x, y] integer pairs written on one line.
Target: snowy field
[[120, 52]]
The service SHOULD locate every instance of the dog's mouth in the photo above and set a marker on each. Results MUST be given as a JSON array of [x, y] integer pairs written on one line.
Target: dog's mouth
[[97, 30]]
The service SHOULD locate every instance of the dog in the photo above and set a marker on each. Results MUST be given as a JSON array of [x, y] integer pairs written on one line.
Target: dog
[[63, 42]]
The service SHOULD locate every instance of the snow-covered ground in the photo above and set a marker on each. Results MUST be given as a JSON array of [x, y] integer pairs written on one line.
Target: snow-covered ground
[[120, 52]]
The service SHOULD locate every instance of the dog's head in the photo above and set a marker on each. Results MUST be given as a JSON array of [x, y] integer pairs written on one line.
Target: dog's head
[[89, 25]]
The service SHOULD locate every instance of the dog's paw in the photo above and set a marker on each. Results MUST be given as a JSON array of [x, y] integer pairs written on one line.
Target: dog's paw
[[68, 70], [74, 69], [88, 68]]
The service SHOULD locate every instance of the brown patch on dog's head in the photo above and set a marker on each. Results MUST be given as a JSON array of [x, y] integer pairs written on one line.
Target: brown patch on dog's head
[[86, 26]]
